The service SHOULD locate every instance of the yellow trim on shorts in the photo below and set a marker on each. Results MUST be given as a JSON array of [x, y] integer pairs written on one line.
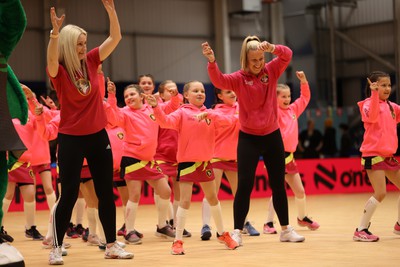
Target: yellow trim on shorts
[[374, 160], [193, 168], [159, 162], [137, 166], [289, 158], [16, 166], [215, 160]]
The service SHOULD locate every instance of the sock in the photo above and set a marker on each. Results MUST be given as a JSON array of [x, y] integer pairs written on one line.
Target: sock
[[130, 215], [369, 210], [301, 207], [271, 211], [50, 224], [181, 214], [162, 208], [102, 236], [217, 215], [156, 198], [80, 210], [29, 210], [92, 223], [170, 212], [51, 199], [206, 212], [175, 206]]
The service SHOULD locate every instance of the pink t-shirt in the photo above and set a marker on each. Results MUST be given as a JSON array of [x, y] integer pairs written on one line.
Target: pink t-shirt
[[82, 112], [196, 139], [288, 119], [256, 94], [380, 136], [226, 139]]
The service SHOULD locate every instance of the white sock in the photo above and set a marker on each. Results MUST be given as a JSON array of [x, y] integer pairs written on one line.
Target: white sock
[[271, 211], [217, 215], [80, 210], [130, 215], [29, 210], [170, 212], [301, 207], [369, 210], [206, 212], [156, 198], [102, 236], [162, 208], [181, 214], [92, 223], [51, 199], [50, 224], [175, 206]]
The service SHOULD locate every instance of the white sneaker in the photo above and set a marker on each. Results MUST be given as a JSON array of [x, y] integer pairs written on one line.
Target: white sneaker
[[290, 235], [10, 256], [237, 236], [55, 257], [116, 252]]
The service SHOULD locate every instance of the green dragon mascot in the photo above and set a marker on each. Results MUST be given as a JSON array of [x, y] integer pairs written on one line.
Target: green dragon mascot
[[12, 105]]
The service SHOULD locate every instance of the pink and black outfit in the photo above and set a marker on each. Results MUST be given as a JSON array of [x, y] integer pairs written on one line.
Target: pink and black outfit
[[259, 131]]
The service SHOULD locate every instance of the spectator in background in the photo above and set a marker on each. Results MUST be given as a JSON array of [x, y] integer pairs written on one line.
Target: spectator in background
[[310, 141], [345, 141], [329, 148]]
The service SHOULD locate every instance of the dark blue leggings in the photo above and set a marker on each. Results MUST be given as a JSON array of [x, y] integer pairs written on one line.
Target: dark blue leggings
[[250, 148], [72, 150]]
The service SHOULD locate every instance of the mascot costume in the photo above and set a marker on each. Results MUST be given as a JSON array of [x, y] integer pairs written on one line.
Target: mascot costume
[[12, 105]]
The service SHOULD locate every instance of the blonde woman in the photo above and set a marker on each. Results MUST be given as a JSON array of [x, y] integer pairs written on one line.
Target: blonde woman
[[73, 73]]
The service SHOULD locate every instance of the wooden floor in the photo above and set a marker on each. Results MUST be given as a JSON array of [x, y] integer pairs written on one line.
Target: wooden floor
[[331, 245]]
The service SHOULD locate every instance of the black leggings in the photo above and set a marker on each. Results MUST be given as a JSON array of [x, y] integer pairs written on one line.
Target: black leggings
[[250, 148], [72, 150]]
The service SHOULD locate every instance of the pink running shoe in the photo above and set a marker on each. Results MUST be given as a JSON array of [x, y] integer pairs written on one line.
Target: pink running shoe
[[307, 222], [227, 240], [269, 228], [397, 228], [177, 248], [364, 236]]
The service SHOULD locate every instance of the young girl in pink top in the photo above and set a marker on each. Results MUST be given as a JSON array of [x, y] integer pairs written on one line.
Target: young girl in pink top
[[40, 160], [137, 163], [380, 118], [166, 151], [21, 175], [225, 157], [288, 115], [196, 142]]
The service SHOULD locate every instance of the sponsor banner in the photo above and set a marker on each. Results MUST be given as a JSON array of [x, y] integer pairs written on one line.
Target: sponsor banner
[[319, 176]]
